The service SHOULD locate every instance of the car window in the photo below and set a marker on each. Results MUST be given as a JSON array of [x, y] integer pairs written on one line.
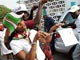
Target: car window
[[68, 19]]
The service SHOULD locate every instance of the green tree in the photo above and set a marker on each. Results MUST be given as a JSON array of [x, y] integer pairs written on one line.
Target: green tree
[[3, 11]]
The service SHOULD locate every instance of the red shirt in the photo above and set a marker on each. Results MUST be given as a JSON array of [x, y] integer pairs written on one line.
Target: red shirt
[[29, 24]]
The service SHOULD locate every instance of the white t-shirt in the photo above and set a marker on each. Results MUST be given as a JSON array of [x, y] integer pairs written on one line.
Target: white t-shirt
[[22, 44], [77, 22]]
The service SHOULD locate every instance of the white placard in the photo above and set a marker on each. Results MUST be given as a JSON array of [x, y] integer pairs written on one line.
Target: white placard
[[68, 36]]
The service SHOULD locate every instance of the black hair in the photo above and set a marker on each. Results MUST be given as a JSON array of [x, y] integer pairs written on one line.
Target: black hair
[[20, 12]]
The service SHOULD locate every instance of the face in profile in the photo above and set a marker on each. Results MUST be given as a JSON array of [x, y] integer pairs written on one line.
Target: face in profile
[[75, 14], [21, 27], [25, 16]]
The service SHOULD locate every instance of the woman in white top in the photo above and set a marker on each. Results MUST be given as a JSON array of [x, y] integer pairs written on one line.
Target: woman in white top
[[75, 13]]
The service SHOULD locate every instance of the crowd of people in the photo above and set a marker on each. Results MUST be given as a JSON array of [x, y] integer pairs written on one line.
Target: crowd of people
[[17, 38], [23, 35]]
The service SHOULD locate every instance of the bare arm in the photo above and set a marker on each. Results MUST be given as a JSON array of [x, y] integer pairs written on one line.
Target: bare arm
[[31, 12], [6, 39], [31, 15], [32, 54], [39, 12], [22, 55], [54, 27]]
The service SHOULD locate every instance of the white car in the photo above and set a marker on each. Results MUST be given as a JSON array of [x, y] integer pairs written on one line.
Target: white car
[[59, 45]]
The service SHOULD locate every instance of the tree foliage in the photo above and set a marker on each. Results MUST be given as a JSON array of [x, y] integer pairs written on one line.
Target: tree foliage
[[3, 11]]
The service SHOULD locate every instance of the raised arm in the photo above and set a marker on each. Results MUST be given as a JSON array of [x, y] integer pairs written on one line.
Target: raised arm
[[54, 27], [39, 12], [32, 53], [31, 12]]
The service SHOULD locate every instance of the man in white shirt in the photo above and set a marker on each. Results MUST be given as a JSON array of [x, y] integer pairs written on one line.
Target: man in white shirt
[[75, 13]]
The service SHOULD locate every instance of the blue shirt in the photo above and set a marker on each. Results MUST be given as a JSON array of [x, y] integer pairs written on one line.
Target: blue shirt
[[48, 23]]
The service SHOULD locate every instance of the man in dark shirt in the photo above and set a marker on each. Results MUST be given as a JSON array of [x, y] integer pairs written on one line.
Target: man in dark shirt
[[48, 23]]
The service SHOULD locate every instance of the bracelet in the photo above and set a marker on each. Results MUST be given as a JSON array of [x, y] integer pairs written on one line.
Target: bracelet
[[34, 43], [51, 34]]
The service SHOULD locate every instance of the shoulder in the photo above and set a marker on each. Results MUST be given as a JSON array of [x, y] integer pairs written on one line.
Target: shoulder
[[29, 21]]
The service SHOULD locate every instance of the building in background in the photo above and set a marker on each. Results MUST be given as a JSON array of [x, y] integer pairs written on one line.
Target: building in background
[[53, 6]]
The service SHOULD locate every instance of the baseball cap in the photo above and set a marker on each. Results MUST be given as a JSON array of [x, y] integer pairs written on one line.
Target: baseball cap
[[20, 7], [74, 8]]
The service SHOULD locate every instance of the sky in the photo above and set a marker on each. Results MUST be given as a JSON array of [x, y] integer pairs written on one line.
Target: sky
[[9, 3]]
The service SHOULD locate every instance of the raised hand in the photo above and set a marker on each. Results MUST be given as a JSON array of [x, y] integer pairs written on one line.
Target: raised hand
[[44, 1], [43, 37], [34, 7]]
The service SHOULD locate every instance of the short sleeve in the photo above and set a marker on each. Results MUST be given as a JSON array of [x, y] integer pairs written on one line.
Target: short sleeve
[[29, 24]]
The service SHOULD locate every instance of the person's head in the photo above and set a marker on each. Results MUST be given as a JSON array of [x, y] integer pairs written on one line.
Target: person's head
[[22, 9], [58, 16], [20, 29], [75, 11], [44, 12], [13, 21]]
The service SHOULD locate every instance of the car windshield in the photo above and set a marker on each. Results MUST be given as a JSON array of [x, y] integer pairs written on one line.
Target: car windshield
[[68, 19]]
